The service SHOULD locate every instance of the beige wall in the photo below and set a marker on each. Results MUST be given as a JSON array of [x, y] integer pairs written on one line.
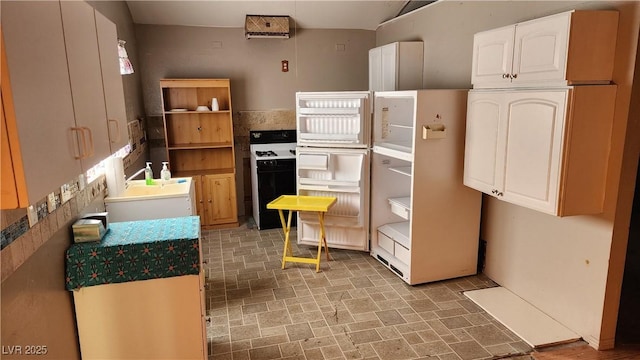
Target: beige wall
[[564, 266], [253, 66], [261, 93]]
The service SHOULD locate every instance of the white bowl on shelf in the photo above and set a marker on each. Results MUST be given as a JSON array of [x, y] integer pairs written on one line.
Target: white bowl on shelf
[[202, 108]]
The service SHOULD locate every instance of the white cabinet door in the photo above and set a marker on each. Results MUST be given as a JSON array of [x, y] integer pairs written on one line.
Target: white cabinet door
[[540, 50], [112, 82], [533, 149], [37, 63], [375, 69], [83, 60], [396, 66], [492, 57], [514, 146], [482, 162], [389, 62]]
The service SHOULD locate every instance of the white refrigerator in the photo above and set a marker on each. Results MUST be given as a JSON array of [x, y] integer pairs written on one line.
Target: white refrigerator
[[332, 159], [394, 160]]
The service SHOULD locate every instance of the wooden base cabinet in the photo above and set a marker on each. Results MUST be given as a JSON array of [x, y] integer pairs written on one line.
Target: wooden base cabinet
[[216, 199], [199, 140], [545, 149], [150, 319]]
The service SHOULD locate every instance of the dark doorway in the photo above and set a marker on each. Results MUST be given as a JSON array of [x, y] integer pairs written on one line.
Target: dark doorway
[[629, 313]]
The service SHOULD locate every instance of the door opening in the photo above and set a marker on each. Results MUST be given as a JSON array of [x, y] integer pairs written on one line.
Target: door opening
[[629, 312]]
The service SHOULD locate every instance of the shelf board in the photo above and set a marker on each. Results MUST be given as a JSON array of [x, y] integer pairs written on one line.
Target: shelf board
[[410, 127], [404, 170], [402, 151], [328, 111], [196, 112], [189, 173], [212, 145], [399, 232]]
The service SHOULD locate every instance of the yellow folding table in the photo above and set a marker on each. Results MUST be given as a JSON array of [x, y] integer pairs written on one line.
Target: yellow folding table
[[319, 204]]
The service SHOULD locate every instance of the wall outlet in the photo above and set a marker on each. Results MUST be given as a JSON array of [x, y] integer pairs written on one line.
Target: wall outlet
[[51, 202], [32, 214]]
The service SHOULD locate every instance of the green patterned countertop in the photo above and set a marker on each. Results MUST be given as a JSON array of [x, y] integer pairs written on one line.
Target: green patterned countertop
[[136, 250]]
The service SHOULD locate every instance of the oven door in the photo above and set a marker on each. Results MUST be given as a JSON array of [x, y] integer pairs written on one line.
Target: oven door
[[275, 177]]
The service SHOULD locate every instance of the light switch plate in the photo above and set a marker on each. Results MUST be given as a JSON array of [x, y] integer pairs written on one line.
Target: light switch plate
[[65, 193], [82, 182], [32, 214], [51, 202]]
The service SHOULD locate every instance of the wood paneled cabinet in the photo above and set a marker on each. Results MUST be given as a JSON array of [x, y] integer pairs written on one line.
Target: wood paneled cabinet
[[574, 47], [216, 199], [13, 193], [545, 149], [396, 66], [57, 87], [199, 144]]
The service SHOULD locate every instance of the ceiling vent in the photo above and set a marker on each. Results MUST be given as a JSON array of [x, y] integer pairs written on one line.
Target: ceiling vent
[[260, 26]]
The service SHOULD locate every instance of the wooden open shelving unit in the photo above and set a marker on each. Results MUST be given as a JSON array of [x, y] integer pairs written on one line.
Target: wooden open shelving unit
[[200, 145]]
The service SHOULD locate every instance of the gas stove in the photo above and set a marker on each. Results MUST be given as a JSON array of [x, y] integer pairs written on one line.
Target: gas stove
[[273, 166], [273, 151]]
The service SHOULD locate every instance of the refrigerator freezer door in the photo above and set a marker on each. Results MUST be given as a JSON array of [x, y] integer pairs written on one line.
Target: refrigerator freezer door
[[333, 119], [345, 175]]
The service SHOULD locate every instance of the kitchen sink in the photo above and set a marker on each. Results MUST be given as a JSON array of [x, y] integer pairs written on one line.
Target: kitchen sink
[[172, 198]]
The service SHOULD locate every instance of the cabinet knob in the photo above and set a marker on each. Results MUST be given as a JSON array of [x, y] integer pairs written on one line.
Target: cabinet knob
[[506, 76], [199, 128], [499, 194], [514, 76], [494, 191], [209, 201]]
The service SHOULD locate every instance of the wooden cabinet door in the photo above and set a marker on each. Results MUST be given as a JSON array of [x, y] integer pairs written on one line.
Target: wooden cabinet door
[[492, 57], [484, 141], [389, 66], [112, 82], [37, 63], [375, 69], [220, 199], [533, 151], [83, 59], [13, 192], [540, 50]]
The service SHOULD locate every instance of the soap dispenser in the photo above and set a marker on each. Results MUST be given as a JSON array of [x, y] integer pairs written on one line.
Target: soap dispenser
[[148, 174], [165, 174]]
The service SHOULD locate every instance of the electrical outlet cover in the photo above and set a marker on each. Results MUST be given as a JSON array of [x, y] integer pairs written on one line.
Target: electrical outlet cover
[[65, 193], [32, 214], [51, 202]]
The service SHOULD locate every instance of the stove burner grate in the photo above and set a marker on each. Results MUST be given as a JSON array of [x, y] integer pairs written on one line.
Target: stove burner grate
[[266, 153]]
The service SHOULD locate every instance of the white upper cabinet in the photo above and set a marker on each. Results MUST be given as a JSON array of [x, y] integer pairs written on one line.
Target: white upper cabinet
[[396, 66], [543, 149], [83, 58], [37, 64], [112, 82], [575, 47]]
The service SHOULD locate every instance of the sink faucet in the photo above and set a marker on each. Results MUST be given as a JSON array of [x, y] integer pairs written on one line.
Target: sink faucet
[[126, 182]]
